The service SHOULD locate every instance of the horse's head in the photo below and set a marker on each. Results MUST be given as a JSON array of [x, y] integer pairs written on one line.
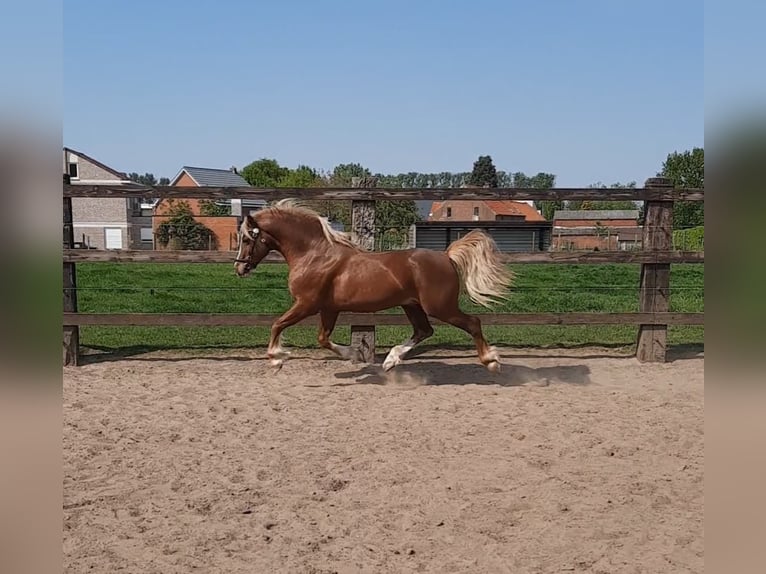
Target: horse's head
[[254, 245]]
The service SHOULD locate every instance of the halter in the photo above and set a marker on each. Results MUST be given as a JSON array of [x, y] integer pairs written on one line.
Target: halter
[[238, 260]]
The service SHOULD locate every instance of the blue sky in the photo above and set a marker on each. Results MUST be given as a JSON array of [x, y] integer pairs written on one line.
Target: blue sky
[[588, 90], [735, 47]]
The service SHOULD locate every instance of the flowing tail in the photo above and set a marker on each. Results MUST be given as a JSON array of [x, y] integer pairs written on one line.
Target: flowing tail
[[484, 277]]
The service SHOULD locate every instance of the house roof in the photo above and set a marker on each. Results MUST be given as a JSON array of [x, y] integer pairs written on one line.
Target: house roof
[[97, 163], [588, 230], [502, 207], [211, 177], [435, 206], [596, 214], [518, 208]]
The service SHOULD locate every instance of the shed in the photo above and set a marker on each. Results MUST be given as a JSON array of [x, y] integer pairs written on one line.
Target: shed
[[510, 236]]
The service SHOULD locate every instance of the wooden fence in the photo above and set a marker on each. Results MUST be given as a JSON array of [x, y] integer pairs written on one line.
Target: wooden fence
[[656, 257]]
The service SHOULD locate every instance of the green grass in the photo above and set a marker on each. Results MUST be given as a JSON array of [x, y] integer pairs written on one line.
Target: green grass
[[213, 288]]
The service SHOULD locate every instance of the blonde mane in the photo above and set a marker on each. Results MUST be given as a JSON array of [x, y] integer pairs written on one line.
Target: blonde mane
[[293, 206]]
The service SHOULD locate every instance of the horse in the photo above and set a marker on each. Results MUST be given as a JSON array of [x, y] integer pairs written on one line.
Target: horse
[[329, 274]]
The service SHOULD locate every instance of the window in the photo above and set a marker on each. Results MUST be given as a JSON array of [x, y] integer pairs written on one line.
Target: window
[[449, 212], [147, 235], [113, 237], [476, 211], [72, 161]]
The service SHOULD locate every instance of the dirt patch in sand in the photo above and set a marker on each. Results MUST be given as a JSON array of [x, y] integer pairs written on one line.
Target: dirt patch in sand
[[565, 461]]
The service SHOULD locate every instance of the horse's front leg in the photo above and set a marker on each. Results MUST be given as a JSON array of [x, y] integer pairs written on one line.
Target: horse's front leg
[[295, 314]]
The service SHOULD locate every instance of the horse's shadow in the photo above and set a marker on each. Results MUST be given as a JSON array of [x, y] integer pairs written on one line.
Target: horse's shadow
[[437, 373]]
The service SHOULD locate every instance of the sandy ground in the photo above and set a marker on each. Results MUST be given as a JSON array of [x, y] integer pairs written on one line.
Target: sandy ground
[[566, 461]]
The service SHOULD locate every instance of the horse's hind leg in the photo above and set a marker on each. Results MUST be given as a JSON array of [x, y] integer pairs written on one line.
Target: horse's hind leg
[[471, 325], [327, 320], [421, 330]]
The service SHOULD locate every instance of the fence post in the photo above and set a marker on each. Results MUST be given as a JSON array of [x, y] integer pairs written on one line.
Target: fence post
[[71, 332], [655, 277], [363, 233]]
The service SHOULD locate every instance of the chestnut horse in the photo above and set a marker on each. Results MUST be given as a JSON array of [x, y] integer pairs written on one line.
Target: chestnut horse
[[330, 274]]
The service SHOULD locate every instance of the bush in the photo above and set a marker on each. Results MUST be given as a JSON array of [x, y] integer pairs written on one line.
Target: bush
[[692, 239], [181, 231]]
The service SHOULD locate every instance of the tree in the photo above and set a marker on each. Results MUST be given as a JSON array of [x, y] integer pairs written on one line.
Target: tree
[[182, 231], [392, 222], [302, 176], [211, 208], [264, 172], [164, 181], [146, 179], [343, 174], [686, 169], [484, 173], [542, 180], [392, 218]]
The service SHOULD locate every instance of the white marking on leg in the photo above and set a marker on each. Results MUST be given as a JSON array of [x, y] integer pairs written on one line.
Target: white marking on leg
[[343, 351], [396, 354], [493, 363], [278, 354]]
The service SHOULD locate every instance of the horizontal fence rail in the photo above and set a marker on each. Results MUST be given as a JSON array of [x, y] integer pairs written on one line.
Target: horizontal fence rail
[[565, 257], [655, 257], [376, 319], [382, 193]]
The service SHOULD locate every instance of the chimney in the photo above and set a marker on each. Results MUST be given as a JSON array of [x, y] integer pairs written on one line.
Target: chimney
[[233, 169]]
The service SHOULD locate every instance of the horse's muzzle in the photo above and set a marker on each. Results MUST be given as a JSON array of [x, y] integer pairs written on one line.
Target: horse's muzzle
[[242, 269]]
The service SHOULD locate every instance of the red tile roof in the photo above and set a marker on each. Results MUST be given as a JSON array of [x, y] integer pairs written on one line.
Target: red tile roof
[[508, 207], [501, 207]]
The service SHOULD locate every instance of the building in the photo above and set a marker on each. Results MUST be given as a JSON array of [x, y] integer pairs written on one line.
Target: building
[[596, 229], [103, 222], [224, 227], [630, 238], [510, 236], [483, 210]]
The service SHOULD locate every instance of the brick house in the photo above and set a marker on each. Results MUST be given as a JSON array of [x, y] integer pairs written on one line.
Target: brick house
[[224, 227], [596, 229], [103, 222], [481, 210], [514, 225]]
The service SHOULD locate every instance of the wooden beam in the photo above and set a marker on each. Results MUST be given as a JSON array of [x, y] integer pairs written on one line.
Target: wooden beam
[[363, 234], [372, 319], [655, 277], [71, 333], [563, 257], [343, 193]]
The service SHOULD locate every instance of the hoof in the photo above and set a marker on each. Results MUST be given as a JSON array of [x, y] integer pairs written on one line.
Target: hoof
[[493, 367], [277, 357], [277, 364], [389, 364]]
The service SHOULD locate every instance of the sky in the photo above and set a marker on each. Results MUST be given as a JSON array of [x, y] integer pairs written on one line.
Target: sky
[[589, 90]]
